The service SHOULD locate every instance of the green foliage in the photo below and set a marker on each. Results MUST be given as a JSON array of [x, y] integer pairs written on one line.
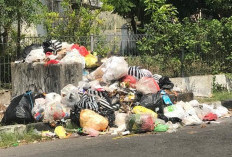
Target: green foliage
[[202, 46], [13, 139], [74, 22]]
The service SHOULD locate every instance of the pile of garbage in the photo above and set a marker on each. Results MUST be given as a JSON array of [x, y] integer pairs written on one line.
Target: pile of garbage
[[55, 52], [115, 99]]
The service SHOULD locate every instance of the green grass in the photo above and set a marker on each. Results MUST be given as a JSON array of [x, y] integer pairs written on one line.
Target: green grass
[[11, 139], [217, 96]]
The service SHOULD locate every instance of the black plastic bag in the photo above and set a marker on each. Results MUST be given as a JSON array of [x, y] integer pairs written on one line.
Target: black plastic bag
[[165, 83], [19, 110], [153, 102]]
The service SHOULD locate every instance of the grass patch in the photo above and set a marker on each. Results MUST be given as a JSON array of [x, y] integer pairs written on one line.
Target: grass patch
[[12, 139], [217, 96]]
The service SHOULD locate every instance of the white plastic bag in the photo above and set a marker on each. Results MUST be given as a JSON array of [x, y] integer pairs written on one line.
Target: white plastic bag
[[114, 68], [191, 120], [35, 55], [177, 112], [69, 95], [73, 57], [52, 97]]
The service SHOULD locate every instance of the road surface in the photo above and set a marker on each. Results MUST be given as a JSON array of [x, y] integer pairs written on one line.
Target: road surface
[[212, 140]]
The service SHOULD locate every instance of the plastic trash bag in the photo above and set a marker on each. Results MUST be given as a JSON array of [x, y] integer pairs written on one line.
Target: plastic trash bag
[[60, 132], [191, 120], [91, 132], [161, 128], [114, 68], [221, 111], [140, 123], [70, 95], [90, 61], [36, 55], [130, 80], [147, 85], [91, 119], [29, 48], [144, 110], [210, 117], [165, 83], [176, 111], [153, 102], [55, 111], [19, 110], [38, 109], [73, 57], [120, 121], [52, 97]]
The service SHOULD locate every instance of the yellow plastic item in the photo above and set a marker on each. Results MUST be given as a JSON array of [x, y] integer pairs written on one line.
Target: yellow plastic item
[[60, 131], [90, 61], [91, 119], [144, 110]]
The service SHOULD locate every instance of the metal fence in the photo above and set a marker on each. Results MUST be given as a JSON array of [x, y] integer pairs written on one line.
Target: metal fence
[[120, 45]]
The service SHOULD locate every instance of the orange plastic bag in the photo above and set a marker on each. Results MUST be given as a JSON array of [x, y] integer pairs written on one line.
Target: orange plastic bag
[[91, 119]]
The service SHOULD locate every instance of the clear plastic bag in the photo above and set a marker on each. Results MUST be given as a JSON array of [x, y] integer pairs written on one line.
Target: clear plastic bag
[[69, 95], [140, 123], [115, 68], [73, 57], [147, 85]]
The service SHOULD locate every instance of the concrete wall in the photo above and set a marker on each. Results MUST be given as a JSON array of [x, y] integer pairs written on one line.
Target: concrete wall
[[201, 85]]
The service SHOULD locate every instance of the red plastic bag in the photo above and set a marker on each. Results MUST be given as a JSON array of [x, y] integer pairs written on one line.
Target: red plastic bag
[[83, 51], [75, 46], [129, 79], [210, 117], [147, 85]]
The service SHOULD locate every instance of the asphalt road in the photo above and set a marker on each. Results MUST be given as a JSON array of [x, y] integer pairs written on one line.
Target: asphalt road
[[212, 140]]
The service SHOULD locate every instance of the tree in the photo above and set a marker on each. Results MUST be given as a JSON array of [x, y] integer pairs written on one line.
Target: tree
[[133, 10], [17, 12], [76, 20]]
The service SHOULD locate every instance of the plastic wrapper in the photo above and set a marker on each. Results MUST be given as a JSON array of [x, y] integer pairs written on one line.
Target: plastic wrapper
[[36, 55], [91, 119], [120, 121], [90, 61], [140, 123], [60, 132], [144, 110], [147, 85], [91, 132], [161, 128], [69, 95], [73, 57]]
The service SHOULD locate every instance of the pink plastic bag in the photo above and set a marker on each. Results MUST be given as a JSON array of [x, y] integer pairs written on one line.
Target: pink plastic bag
[[147, 85]]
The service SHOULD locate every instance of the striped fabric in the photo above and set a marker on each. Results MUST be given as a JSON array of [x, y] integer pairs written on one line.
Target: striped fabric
[[157, 77], [52, 46], [95, 101], [139, 73]]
